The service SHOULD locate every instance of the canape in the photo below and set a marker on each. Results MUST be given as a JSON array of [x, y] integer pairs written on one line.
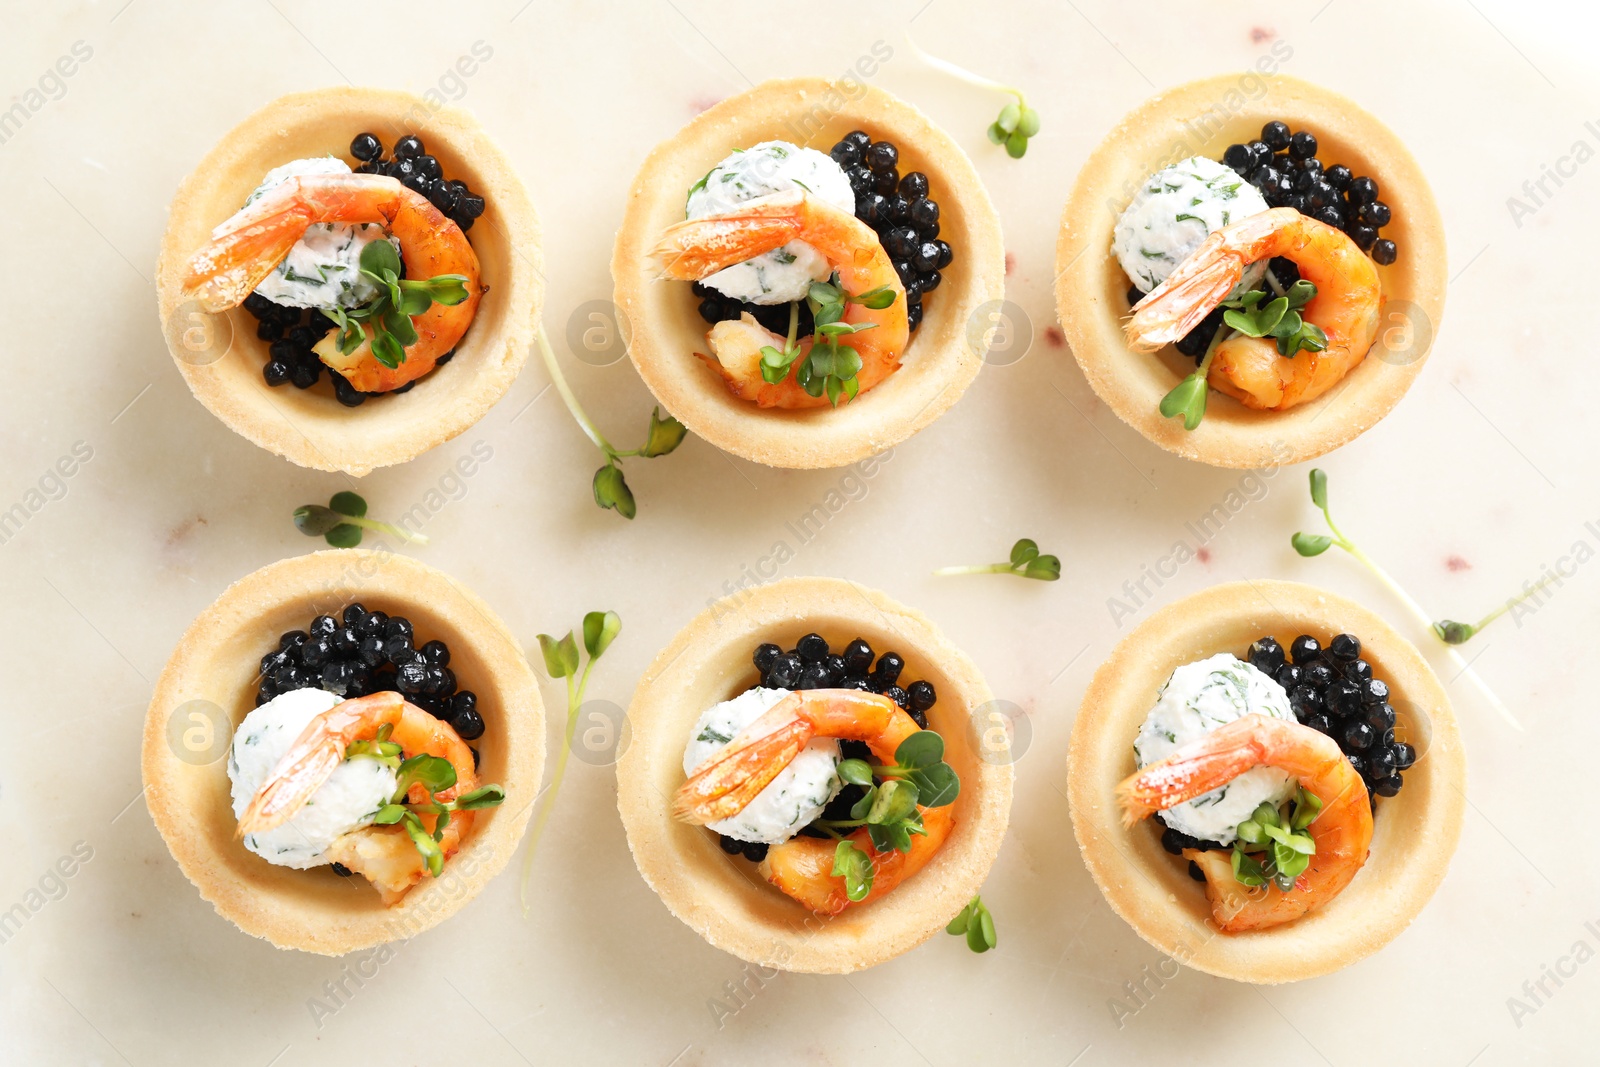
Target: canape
[[829, 855], [338, 719], [361, 232], [805, 271], [1304, 773], [1249, 278]]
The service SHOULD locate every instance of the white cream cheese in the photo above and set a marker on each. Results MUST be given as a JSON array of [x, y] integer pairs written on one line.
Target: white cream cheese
[[347, 801], [785, 273], [1198, 698], [323, 269], [791, 800], [1174, 211]]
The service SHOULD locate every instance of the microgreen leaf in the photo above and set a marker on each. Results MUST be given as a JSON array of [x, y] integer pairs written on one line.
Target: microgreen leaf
[[1309, 545], [922, 749], [1187, 398], [1454, 633], [389, 814], [975, 922], [1024, 550], [348, 503], [611, 491], [343, 535], [1319, 488], [937, 785], [560, 656], [485, 796], [434, 773], [386, 350], [378, 257], [600, 628], [664, 435], [431, 853], [896, 800], [855, 867], [855, 772], [1246, 871]]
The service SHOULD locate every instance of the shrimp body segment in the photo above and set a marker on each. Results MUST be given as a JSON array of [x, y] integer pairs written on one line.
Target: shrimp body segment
[[245, 249], [1342, 832], [1249, 369], [697, 248], [802, 867]]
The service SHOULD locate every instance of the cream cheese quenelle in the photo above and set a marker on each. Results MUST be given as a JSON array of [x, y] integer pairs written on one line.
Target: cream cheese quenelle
[[792, 800], [323, 269], [1198, 698], [348, 800], [1175, 210], [785, 273]]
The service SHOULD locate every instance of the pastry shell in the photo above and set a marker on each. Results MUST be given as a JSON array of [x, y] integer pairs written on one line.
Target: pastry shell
[[208, 686], [221, 357], [665, 328], [1203, 118], [723, 898], [1414, 832]]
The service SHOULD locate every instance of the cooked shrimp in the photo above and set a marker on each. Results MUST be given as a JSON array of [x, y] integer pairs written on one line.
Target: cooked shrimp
[[383, 854], [1249, 369], [803, 866], [698, 248], [1341, 833], [248, 246]]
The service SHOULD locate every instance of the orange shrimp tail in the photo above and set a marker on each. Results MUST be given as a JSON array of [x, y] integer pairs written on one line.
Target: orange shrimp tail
[[726, 784], [1172, 310], [290, 787], [695, 249], [1197, 768]]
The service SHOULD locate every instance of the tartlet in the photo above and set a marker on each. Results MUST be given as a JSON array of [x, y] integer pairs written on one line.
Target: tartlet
[[222, 361], [216, 663], [1091, 288], [939, 362], [1415, 832], [720, 897]]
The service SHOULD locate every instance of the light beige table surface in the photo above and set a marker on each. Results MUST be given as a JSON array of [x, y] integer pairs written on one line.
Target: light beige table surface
[[1482, 477]]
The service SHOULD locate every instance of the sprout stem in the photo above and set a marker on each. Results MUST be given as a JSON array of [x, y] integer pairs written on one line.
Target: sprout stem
[[384, 527], [575, 690], [560, 382], [963, 73], [984, 568]]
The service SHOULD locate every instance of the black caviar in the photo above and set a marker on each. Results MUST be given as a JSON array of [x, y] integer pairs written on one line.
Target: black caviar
[[1333, 691], [363, 652], [899, 210], [1284, 166], [421, 173], [812, 664]]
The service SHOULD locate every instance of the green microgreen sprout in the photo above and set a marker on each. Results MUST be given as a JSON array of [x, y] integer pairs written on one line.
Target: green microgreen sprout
[[1273, 846], [1016, 123], [610, 488], [1308, 545], [561, 660], [1025, 562], [974, 921], [436, 775], [341, 522], [1278, 318], [385, 320], [830, 368]]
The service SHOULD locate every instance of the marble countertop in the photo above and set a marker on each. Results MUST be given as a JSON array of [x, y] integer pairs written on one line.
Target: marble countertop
[[1479, 481]]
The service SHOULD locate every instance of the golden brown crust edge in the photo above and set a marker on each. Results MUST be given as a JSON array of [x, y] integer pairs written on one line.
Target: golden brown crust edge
[[305, 426], [316, 910], [1091, 288], [665, 329], [1415, 832], [724, 899]]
